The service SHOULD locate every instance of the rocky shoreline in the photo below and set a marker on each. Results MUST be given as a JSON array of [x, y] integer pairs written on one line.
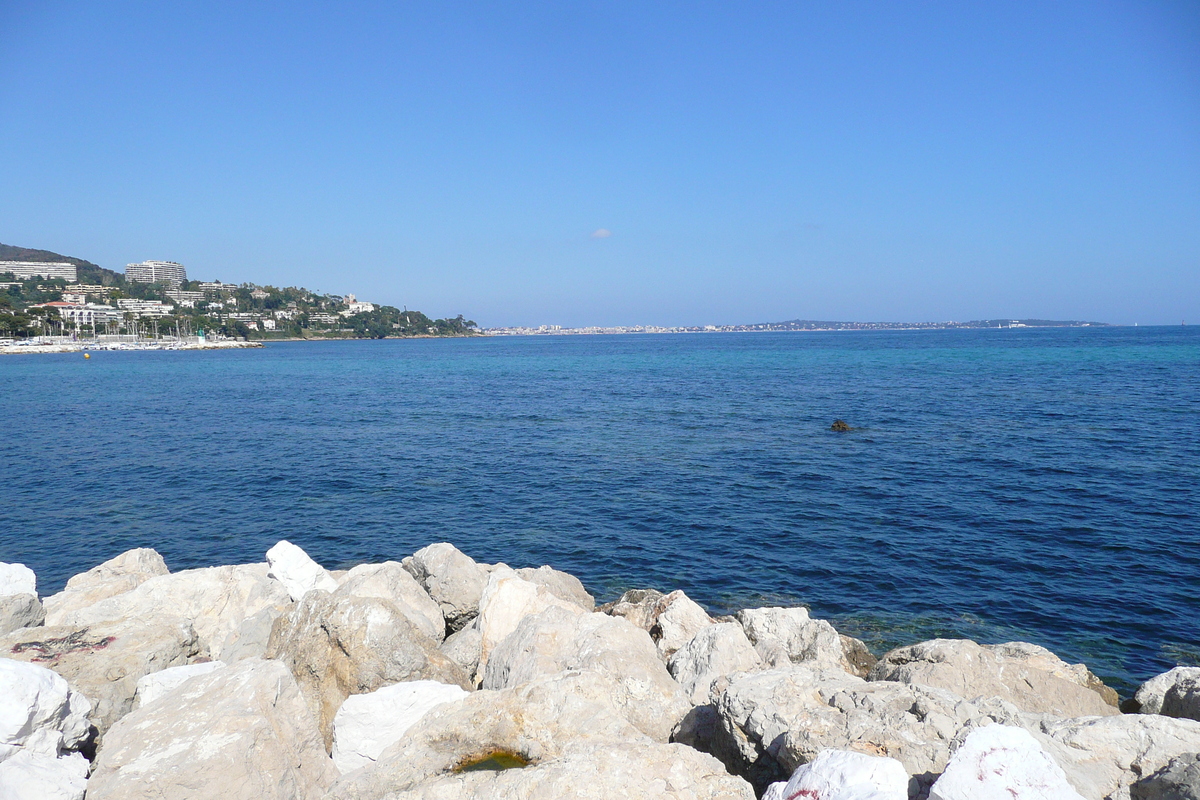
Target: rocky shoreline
[[440, 677]]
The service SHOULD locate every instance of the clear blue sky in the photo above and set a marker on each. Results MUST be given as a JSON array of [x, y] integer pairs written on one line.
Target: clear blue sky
[[752, 161]]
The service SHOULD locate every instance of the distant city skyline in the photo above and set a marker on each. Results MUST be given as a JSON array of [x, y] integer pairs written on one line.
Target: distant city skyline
[[620, 164]]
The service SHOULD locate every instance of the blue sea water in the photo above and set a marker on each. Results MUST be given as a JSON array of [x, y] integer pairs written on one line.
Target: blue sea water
[[1001, 484]]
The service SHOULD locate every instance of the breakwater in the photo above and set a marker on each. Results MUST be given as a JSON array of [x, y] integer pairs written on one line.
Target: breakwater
[[439, 676]]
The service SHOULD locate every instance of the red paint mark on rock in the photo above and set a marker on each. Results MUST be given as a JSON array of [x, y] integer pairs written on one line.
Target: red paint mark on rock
[[51, 650]]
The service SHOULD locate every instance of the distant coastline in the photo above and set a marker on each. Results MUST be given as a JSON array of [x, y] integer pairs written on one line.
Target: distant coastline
[[795, 325]]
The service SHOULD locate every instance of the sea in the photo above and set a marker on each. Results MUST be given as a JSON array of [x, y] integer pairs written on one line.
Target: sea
[[1015, 484]]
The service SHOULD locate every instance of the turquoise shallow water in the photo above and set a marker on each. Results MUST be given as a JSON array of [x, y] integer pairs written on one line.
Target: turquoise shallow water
[[1031, 484]]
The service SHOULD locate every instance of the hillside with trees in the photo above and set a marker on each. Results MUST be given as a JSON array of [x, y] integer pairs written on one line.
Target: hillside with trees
[[244, 310]]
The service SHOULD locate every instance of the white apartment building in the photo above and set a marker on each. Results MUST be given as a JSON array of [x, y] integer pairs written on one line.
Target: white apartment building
[[144, 308], [167, 272], [268, 324], [179, 296], [74, 297], [91, 288], [41, 269], [80, 314], [322, 319], [90, 314], [217, 286]]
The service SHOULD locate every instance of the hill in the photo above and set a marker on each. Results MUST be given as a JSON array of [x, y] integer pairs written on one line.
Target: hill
[[244, 310], [88, 272]]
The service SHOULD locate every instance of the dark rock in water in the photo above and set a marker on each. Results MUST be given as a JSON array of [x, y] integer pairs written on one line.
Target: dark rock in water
[[1178, 780], [840, 426]]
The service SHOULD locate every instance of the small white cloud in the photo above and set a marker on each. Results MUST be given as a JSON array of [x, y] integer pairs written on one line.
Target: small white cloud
[[602, 233]]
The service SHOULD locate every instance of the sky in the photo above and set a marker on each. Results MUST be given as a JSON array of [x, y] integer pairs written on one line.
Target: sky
[[620, 163]]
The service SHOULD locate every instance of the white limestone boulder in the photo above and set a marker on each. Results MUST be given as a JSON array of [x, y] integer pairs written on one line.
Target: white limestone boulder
[[239, 733], [36, 776], [775, 791], [214, 600], [677, 618], [42, 719], [562, 584], [846, 775], [390, 581], [785, 636], [636, 606], [39, 711], [508, 598], [366, 724], [670, 619], [1004, 671], [1038, 657], [454, 581], [20, 611], [252, 635], [118, 575], [106, 660], [558, 639], [535, 722], [337, 646], [19, 604], [298, 573], [1104, 756], [463, 647], [595, 772], [1175, 693], [1001, 762], [716, 652], [17, 579], [772, 722], [156, 684]]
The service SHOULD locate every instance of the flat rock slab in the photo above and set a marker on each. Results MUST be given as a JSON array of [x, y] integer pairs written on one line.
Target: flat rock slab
[[367, 724], [240, 733], [597, 772], [536, 721], [118, 575], [215, 600], [156, 684], [1030, 677]]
